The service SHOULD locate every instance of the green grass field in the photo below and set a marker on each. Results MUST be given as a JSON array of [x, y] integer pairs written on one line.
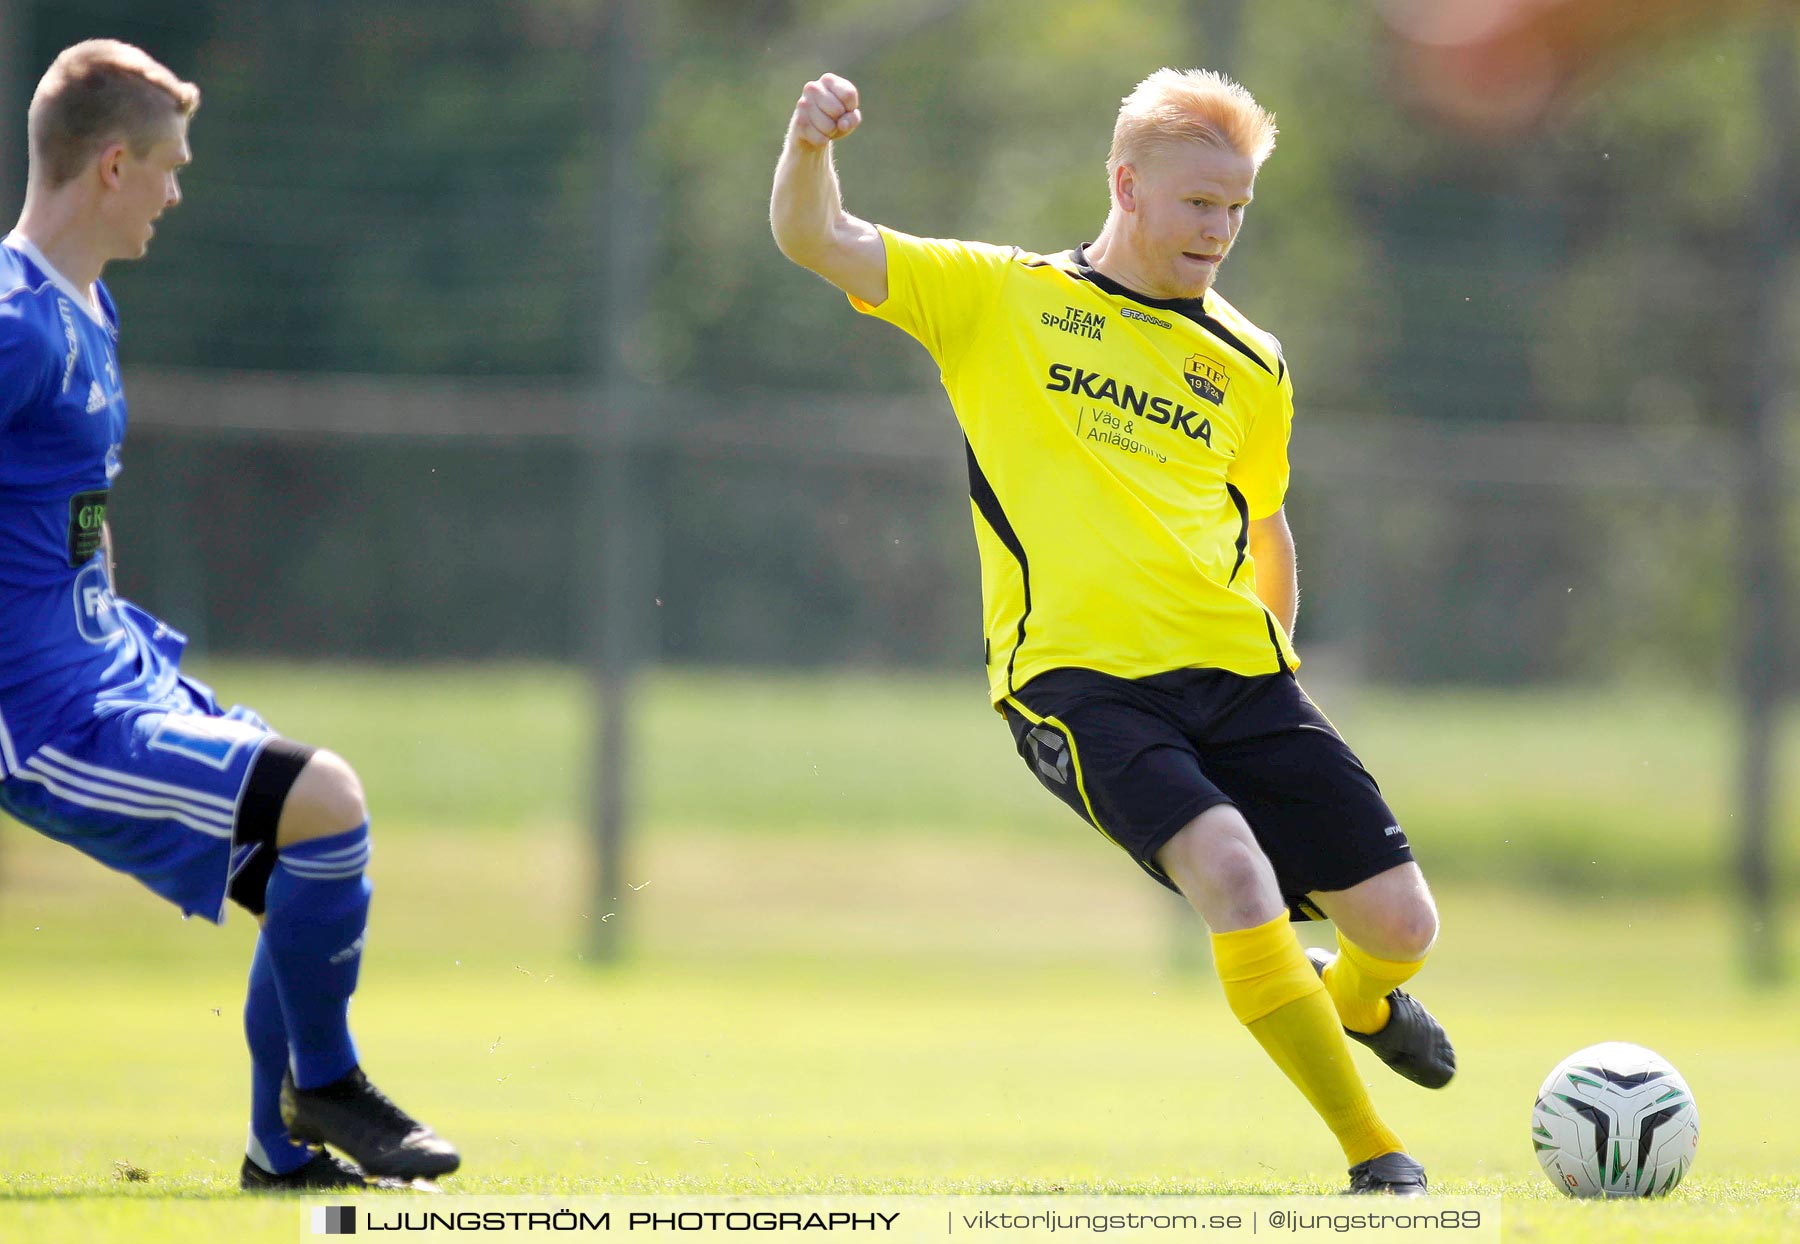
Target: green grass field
[[869, 955]]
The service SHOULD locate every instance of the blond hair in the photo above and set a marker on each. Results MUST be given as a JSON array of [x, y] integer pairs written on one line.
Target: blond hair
[[1191, 105], [98, 92]]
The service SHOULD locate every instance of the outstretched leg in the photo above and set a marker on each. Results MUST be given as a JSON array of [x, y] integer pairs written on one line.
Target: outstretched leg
[[317, 911], [1273, 990]]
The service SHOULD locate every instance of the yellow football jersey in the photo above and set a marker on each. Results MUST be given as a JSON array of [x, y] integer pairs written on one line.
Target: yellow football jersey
[[1119, 447]]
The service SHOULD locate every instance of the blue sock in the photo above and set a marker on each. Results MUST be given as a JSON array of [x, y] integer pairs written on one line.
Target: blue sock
[[317, 908], [270, 1146]]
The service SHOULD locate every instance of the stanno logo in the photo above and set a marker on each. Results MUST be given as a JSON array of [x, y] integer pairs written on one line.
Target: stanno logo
[[1207, 378], [1077, 322], [1132, 313], [68, 319]]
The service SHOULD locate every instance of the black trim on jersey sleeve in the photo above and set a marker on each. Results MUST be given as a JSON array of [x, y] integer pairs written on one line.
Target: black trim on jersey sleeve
[[1190, 308], [988, 506], [1229, 338], [1243, 540]]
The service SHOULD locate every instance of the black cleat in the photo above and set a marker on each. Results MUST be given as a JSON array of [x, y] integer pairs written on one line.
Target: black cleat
[[355, 1116], [1411, 1042], [1393, 1173], [325, 1173]]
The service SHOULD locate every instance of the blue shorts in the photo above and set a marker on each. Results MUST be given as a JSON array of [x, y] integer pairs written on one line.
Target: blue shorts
[[154, 789]]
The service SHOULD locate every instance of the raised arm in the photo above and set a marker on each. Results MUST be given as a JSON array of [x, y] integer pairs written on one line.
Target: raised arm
[[806, 211]]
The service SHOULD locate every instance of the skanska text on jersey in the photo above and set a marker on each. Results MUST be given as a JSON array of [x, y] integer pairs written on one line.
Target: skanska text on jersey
[[1128, 399]]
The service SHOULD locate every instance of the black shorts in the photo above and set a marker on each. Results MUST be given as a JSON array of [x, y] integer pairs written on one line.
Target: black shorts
[[1138, 758]]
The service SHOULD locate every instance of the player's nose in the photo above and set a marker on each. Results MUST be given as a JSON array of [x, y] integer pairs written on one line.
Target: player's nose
[[1217, 227]]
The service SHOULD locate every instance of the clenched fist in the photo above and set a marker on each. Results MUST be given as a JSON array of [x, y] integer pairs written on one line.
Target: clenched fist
[[828, 110]]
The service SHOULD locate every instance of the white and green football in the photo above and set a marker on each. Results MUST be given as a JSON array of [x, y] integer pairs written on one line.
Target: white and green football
[[1615, 1120]]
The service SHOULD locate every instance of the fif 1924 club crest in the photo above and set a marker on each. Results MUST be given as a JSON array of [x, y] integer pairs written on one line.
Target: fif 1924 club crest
[[1207, 378]]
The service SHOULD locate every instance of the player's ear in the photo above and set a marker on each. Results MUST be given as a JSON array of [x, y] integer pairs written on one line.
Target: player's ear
[[111, 161], [1125, 187]]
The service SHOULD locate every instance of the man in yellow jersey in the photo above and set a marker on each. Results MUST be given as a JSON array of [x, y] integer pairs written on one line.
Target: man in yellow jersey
[[1127, 438]]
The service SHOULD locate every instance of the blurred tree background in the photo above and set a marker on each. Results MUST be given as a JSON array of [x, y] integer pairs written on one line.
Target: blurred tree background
[[401, 189]]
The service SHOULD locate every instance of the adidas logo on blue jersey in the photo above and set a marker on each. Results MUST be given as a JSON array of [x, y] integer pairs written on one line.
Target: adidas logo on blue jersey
[[96, 398]]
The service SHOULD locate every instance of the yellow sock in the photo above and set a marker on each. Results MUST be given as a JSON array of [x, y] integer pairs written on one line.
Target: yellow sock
[[1274, 992], [1359, 984]]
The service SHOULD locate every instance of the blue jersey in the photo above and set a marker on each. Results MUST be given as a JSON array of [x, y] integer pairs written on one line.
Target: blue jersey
[[67, 644]]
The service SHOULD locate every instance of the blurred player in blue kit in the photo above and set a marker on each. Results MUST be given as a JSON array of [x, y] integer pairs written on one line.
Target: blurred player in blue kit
[[104, 744]]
